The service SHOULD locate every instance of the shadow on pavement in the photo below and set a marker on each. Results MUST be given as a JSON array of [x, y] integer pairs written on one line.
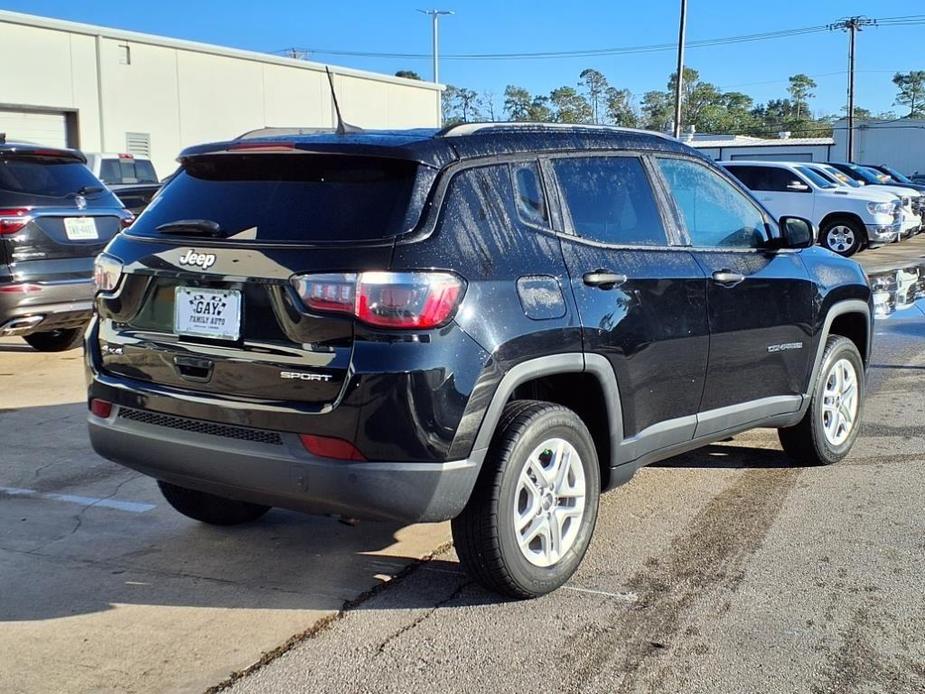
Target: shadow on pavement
[[63, 554], [720, 456]]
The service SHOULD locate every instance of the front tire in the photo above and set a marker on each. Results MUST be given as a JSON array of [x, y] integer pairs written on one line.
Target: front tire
[[209, 508], [830, 426], [530, 519], [55, 340], [842, 236]]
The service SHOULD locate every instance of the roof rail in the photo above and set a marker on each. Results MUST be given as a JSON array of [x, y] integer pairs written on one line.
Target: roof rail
[[280, 132], [463, 129]]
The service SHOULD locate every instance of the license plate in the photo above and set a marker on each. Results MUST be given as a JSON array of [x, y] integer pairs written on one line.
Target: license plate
[[214, 313], [80, 228]]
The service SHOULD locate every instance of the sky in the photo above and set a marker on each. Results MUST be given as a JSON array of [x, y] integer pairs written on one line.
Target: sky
[[759, 68]]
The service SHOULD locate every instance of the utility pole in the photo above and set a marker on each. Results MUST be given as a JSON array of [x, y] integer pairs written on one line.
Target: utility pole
[[682, 28], [435, 21], [852, 25]]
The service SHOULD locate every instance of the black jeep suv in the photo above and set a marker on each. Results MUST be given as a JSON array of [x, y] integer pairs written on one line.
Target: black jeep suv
[[489, 323], [55, 216]]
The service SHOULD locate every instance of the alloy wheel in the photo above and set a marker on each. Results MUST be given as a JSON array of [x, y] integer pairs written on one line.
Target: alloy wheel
[[840, 402], [549, 502]]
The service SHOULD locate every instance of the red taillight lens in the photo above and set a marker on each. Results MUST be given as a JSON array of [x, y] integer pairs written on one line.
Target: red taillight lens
[[385, 299], [14, 219], [330, 447], [100, 408], [21, 288]]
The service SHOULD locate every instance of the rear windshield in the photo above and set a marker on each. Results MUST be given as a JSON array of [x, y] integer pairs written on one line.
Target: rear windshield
[[290, 197], [125, 171], [29, 181]]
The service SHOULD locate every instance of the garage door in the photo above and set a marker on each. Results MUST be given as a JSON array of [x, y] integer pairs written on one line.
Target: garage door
[[43, 128]]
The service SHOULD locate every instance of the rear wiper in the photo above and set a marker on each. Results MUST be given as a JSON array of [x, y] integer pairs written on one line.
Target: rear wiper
[[197, 227], [88, 190]]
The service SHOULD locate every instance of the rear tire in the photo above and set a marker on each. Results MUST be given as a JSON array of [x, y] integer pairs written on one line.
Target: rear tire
[[56, 340], [832, 421], [531, 515], [843, 236], [209, 508]]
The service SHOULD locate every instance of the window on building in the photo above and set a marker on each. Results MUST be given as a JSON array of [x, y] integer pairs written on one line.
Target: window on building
[[125, 54]]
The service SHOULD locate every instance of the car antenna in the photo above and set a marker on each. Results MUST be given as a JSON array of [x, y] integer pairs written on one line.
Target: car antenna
[[342, 127]]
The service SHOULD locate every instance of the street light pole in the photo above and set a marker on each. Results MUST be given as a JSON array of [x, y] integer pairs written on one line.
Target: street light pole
[[680, 74], [852, 25], [435, 28]]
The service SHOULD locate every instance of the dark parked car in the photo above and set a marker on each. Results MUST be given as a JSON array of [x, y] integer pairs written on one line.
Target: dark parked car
[[898, 178], [489, 324], [55, 216]]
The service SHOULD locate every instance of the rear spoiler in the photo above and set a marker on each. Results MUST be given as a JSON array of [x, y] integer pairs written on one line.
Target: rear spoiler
[[33, 150]]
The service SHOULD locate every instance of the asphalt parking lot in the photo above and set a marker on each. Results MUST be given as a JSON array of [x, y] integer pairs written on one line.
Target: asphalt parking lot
[[726, 569]]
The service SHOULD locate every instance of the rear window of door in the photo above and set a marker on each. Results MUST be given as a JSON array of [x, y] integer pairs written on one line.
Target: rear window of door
[[715, 212], [35, 181], [610, 200], [291, 197]]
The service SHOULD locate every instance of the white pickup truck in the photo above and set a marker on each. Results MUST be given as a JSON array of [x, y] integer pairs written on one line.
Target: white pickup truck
[[847, 220]]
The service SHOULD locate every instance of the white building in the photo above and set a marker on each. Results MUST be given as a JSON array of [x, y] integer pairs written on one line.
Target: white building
[[785, 148], [896, 143], [100, 89]]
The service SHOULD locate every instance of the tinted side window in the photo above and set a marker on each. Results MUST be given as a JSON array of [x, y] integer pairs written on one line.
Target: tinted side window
[[750, 176], [715, 213], [610, 200], [767, 178], [528, 192]]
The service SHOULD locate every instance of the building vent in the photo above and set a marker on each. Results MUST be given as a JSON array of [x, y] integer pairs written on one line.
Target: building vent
[[138, 144]]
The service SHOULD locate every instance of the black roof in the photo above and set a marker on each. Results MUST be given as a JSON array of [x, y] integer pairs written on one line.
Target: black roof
[[438, 148]]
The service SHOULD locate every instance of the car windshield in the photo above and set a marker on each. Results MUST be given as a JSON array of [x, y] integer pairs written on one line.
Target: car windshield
[[840, 176], [818, 180], [865, 174], [895, 175]]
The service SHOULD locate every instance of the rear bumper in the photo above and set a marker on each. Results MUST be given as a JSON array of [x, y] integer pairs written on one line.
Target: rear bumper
[[27, 307], [272, 468]]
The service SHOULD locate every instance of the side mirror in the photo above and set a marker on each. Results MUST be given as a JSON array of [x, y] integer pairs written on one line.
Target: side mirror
[[798, 187], [797, 232]]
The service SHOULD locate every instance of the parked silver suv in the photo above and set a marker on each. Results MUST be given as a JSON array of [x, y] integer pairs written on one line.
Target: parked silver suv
[[55, 217]]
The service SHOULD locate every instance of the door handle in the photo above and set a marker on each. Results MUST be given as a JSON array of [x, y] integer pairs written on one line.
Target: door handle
[[727, 278], [605, 279], [193, 369]]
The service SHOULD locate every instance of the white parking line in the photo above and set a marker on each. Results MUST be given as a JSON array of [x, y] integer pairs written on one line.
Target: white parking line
[[130, 506]]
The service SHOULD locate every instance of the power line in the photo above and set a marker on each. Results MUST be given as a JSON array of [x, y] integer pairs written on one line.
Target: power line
[[585, 53], [905, 20]]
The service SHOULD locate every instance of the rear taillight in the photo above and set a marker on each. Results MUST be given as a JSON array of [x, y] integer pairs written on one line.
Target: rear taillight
[[107, 271], [419, 300], [330, 447], [14, 219], [127, 220], [21, 288]]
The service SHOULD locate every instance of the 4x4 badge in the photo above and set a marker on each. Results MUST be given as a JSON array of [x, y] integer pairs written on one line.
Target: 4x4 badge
[[203, 260]]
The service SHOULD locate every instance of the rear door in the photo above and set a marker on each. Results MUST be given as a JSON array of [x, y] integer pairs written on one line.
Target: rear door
[[760, 301], [641, 300], [277, 216], [71, 215]]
